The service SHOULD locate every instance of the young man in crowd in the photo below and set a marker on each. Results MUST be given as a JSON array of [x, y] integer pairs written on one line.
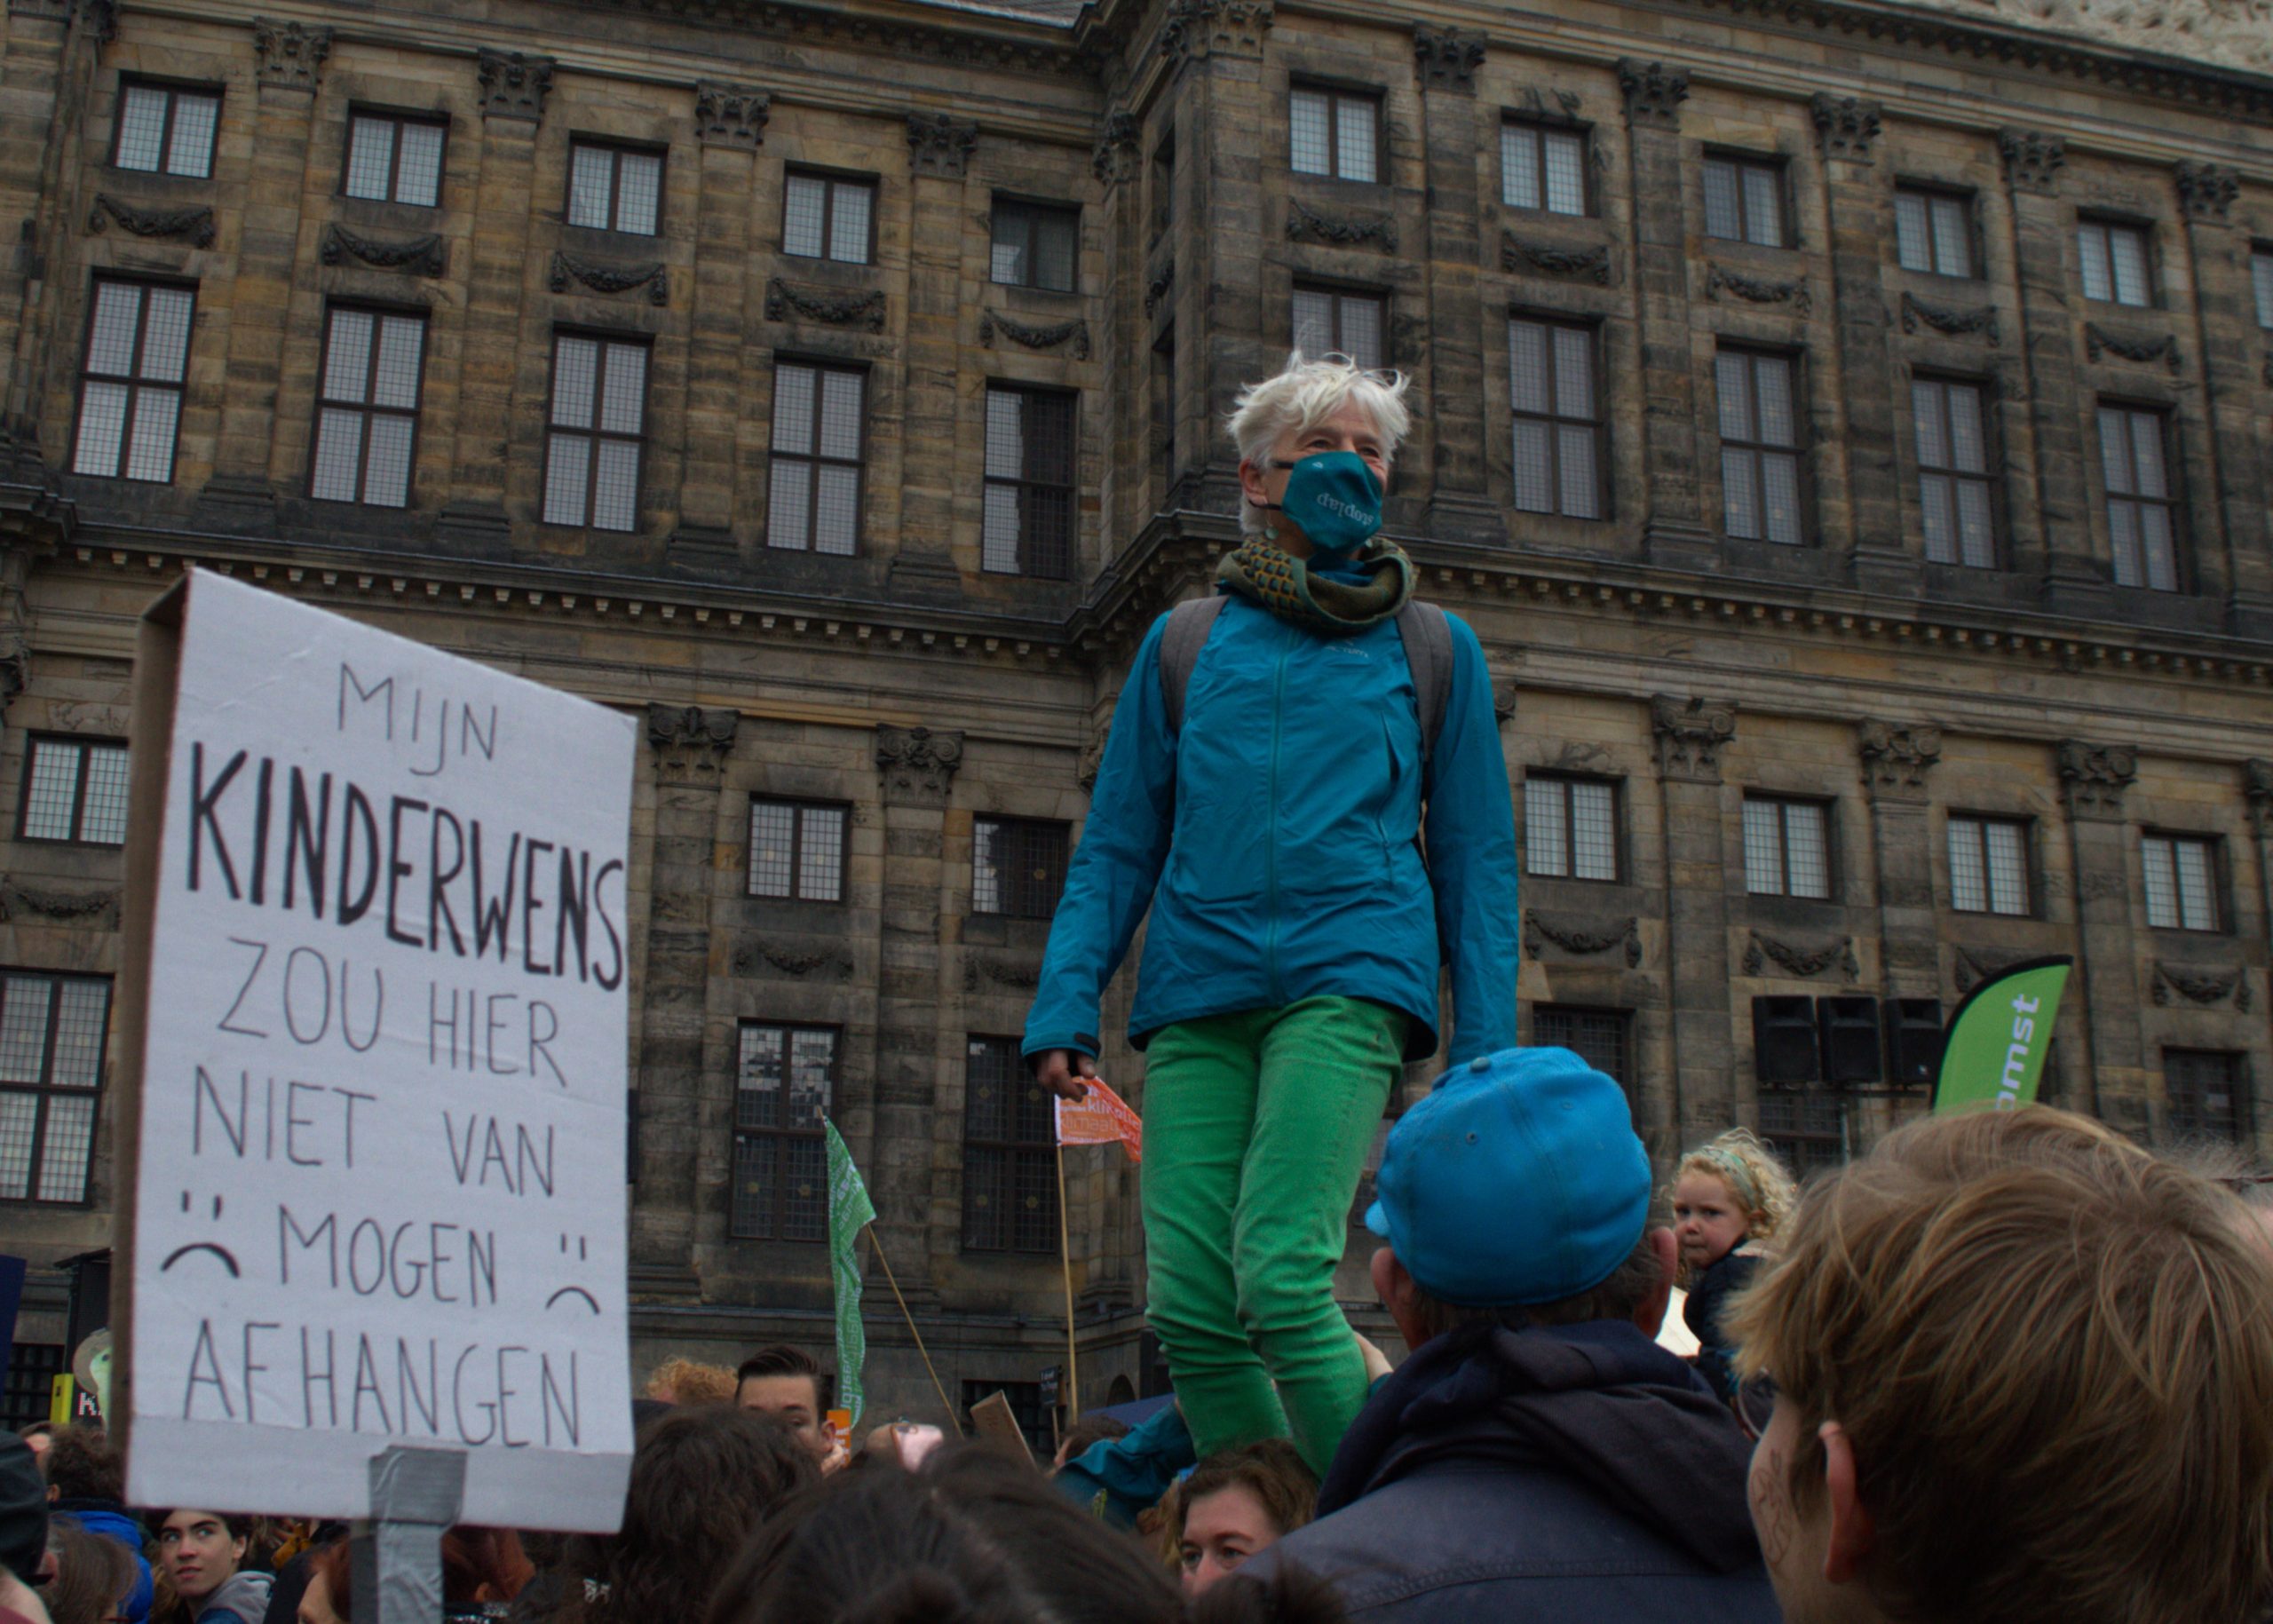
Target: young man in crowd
[[204, 1554], [2024, 1370], [785, 1383], [1538, 1457]]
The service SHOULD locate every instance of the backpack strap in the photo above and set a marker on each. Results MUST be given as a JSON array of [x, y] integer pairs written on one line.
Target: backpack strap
[[1427, 638], [1189, 624]]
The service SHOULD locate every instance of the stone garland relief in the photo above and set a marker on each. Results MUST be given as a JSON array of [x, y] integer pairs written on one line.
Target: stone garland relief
[[788, 302], [195, 224], [98, 909], [1758, 290], [1582, 940], [602, 277], [425, 256], [2201, 986], [1804, 962], [1519, 257], [1955, 320], [981, 974], [834, 962], [1305, 224], [1075, 335], [2097, 340]]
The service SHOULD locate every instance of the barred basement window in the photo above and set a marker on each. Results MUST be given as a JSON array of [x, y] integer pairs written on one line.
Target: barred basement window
[[1335, 132], [1806, 1126], [1571, 828], [1786, 848], [591, 462], [1327, 323], [1035, 245], [1760, 438], [814, 500], [166, 130], [782, 1092], [74, 790], [51, 1035], [1744, 202], [1601, 1038], [2205, 1095], [2181, 881], [1010, 1137], [614, 188], [366, 420], [1987, 865], [395, 160], [1557, 419], [1953, 490], [1932, 232], [1542, 168], [827, 217], [796, 849], [2142, 507], [1028, 525], [2114, 262], [1017, 866], [130, 383]]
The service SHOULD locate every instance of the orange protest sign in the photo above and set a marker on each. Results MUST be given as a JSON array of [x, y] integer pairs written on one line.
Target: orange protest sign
[[1102, 1117]]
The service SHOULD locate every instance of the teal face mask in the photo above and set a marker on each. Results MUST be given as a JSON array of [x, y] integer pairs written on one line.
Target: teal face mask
[[1334, 499]]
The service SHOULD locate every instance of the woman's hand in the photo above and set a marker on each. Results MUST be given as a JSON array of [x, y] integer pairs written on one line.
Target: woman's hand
[[1063, 1073]]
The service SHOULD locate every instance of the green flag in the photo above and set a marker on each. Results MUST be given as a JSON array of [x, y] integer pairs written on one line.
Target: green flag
[[849, 1208], [1993, 1051]]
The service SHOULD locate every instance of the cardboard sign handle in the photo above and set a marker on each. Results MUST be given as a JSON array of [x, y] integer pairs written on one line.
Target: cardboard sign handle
[[397, 1556]]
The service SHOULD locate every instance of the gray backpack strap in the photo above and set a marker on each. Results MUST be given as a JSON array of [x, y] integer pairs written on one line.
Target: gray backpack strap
[[1189, 624], [1428, 638]]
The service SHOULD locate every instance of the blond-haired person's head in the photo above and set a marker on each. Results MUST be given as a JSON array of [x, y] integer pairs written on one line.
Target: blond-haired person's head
[[1329, 404], [2024, 1374]]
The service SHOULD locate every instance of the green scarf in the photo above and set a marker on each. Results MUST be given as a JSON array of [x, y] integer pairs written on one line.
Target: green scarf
[[1282, 583]]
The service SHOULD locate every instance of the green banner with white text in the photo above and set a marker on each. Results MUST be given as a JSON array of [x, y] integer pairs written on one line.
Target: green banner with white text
[[1993, 1052]]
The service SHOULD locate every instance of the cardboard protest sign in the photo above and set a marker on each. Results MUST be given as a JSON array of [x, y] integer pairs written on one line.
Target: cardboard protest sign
[[1101, 1117], [373, 1065], [1993, 1051]]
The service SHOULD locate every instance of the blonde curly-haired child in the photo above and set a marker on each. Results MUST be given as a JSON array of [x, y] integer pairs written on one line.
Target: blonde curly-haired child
[[1731, 1195]]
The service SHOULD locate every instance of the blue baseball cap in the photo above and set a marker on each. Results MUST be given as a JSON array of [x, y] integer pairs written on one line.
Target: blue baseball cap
[[1518, 1180]]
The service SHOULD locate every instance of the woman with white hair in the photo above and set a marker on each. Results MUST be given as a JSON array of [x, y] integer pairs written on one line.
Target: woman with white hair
[[1276, 756]]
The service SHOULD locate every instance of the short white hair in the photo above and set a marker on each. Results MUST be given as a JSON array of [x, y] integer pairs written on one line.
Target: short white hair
[[1306, 392]]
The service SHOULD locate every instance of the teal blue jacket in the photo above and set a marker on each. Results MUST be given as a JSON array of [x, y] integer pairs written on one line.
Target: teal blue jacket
[[1277, 838]]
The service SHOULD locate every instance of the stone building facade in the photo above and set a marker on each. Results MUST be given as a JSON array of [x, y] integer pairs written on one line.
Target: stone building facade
[[1849, 428]]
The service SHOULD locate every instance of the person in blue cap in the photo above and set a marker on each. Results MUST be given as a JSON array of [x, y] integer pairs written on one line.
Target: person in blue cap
[[1537, 1456]]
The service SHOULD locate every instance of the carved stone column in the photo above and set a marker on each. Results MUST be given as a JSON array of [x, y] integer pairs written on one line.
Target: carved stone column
[[730, 124], [1127, 388], [917, 766], [1677, 530], [1896, 760], [938, 151], [689, 747], [1461, 506], [2105, 986], [1706, 1088], [2064, 556]]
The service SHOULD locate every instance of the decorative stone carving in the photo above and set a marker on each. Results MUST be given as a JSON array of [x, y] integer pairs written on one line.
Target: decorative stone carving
[[1690, 733], [1504, 697], [1075, 335], [1198, 29], [1519, 256], [1756, 290], [2099, 341], [691, 743], [2206, 191], [1448, 59], [1847, 125], [1896, 759], [788, 302], [1805, 963], [514, 84], [426, 256], [101, 19], [2095, 777], [917, 764], [289, 56], [730, 114], [1949, 319], [981, 974], [1582, 940], [1158, 288], [2201, 987], [1305, 224], [99, 908], [2236, 34], [2033, 160], [940, 145], [601, 277], [1115, 158], [1092, 763], [1534, 100], [1653, 91], [834, 962], [194, 225], [2257, 789]]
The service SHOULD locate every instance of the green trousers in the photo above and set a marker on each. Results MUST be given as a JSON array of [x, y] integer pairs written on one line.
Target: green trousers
[[1256, 1127]]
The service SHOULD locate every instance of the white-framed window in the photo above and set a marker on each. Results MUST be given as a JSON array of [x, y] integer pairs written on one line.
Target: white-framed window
[[2114, 262], [1571, 828], [166, 130], [391, 159], [615, 188], [1543, 167], [1933, 231], [1335, 132], [2182, 881], [1988, 865], [367, 413], [1786, 848]]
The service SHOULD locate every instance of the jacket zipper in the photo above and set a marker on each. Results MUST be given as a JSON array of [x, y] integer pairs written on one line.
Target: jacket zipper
[[1270, 829]]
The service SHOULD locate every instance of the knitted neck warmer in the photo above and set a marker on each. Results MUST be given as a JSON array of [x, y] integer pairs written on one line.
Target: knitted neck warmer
[[1283, 584]]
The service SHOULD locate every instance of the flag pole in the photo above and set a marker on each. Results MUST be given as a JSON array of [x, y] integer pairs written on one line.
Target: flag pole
[[878, 1248], [1065, 1263]]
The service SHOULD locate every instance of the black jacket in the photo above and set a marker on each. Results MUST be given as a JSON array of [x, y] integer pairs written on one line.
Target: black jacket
[[1579, 1472], [1709, 1299]]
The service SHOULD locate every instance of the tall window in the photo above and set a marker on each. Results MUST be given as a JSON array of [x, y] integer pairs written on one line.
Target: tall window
[[592, 468], [796, 849], [1017, 866], [1035, 245], [2205, 1095], [2142, 507], [1009, 1137], [130, 390], [783, 1089], [1331, 323], [74, 790], [1806, 1126], [1571, 828], [1335, 132], [166, 130], [2261, 282], [614, 188], [1743, 200], [1029, 515], [1760, 439], [52, 1030], [813, 501], [2114, 262], [395, 160], [1932, 232], [367, 418], [2182, 879], [1953, 472], [1988, 865], [1786, 848], [1542, 168], [1557, 418], [1601, 1038], [827, 216]]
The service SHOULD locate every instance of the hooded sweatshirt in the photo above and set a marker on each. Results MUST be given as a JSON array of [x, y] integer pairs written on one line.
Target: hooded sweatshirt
[[109, 1519], [1557, 1473], [242, 1599]]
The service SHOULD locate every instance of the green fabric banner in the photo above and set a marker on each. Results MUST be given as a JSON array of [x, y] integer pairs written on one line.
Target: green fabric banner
[[1993, 1051], [849, 1208]]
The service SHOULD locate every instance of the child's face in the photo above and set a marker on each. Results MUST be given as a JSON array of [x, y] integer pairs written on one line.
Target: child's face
[[1708, 1219]]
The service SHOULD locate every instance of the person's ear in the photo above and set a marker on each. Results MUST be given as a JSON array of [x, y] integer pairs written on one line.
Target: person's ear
[[1650, 1313], [1398, 1295], [1853, 1532], [1251, 487]]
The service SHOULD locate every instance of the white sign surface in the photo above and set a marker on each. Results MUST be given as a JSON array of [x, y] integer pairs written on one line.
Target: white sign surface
[[379, 1192]]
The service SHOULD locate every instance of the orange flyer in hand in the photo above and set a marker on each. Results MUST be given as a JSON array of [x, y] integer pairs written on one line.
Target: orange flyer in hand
[[1102, 1117]]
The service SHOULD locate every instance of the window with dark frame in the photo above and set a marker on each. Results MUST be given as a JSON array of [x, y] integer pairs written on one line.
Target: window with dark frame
[[392, 159], [1743, 200], [1570, 827], [1933, 232], [1760, 446], [784, 1081], [1335, 132], [812, 500], [367, 410], [2205, 1095], [1988, 865], [1009, 1139], [1017, 866], [1786, 848], [166, 130], [52, 1029], [2181, 876], [2260, 284], [2114, 262], [75, 791], [1328, 322], [1036, 245], [1027, 1409], [828, 216], [1028, 527], [592, 452], [28, 1388], [1601, 1038], [1955, 493], [1543, 167], [796, 849], [614, 188], [1805, 1125], [132, 381], [1557, 411], [2142, 501]]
